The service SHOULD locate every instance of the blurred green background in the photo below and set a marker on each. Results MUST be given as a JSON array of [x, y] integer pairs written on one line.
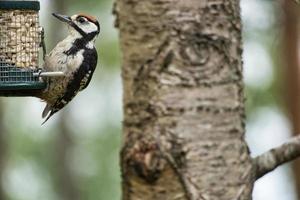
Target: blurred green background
[[75, 155]]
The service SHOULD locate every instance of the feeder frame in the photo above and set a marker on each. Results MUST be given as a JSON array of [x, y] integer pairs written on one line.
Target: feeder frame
[[21, 78]]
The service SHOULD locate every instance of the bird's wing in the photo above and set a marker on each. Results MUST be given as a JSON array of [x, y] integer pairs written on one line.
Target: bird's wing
[[90, 60], [57, 59], [82, 76]]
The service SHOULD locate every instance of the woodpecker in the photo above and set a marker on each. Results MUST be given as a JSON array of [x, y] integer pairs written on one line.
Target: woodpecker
[[76, 57]]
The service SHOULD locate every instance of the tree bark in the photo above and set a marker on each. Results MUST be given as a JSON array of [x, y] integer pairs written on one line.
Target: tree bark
[[183, 101]]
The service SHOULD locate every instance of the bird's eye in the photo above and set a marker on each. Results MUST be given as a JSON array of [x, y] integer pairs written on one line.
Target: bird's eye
[[81, 20]]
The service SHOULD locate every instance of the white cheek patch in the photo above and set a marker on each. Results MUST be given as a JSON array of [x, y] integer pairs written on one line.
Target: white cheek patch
[[89, 27]]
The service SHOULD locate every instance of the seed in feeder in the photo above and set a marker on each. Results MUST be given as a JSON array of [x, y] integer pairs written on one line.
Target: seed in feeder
[[20, 37]]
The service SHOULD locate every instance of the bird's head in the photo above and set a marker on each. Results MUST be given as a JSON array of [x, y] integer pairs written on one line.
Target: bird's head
[[81, 25]]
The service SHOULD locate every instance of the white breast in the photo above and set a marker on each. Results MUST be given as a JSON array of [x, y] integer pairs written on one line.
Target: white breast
[[57, 60], [74, 61]]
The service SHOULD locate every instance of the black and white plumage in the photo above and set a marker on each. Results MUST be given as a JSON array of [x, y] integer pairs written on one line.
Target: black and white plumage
[[76, 57]]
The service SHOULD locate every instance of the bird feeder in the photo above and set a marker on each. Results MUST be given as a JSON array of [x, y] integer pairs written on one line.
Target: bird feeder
[[20, 40]]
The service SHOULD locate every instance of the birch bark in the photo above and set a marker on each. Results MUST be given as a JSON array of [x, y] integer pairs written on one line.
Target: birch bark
[[183, 101]]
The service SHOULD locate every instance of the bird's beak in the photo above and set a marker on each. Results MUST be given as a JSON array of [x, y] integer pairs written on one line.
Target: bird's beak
[[63, 18]]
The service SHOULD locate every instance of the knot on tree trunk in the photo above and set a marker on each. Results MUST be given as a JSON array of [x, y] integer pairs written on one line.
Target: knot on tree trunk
[[145, 160]]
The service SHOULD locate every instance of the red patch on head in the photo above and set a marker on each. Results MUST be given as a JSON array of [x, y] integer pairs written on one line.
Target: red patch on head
[[89, 17]]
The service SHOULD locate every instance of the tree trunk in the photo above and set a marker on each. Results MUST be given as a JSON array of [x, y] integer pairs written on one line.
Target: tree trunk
[[183, 101], [66, 180]]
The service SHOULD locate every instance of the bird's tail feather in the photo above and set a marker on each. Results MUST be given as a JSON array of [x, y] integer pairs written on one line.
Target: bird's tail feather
[[47, 109], [46, 113], [51, 113]]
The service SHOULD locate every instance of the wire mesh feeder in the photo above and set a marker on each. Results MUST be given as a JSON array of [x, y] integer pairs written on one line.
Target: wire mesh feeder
[[20, 39], [13, 79]]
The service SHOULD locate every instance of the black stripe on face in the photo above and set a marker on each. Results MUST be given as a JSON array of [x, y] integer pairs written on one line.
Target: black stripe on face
[[87, 36], [79, 30]]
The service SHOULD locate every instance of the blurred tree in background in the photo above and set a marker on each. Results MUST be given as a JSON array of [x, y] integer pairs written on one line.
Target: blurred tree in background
[[290, 68], [271, 93], [30, 154], [66, 184], [3, 146]]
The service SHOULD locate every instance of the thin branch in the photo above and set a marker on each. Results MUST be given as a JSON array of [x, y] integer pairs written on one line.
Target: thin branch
[[273, 158]]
